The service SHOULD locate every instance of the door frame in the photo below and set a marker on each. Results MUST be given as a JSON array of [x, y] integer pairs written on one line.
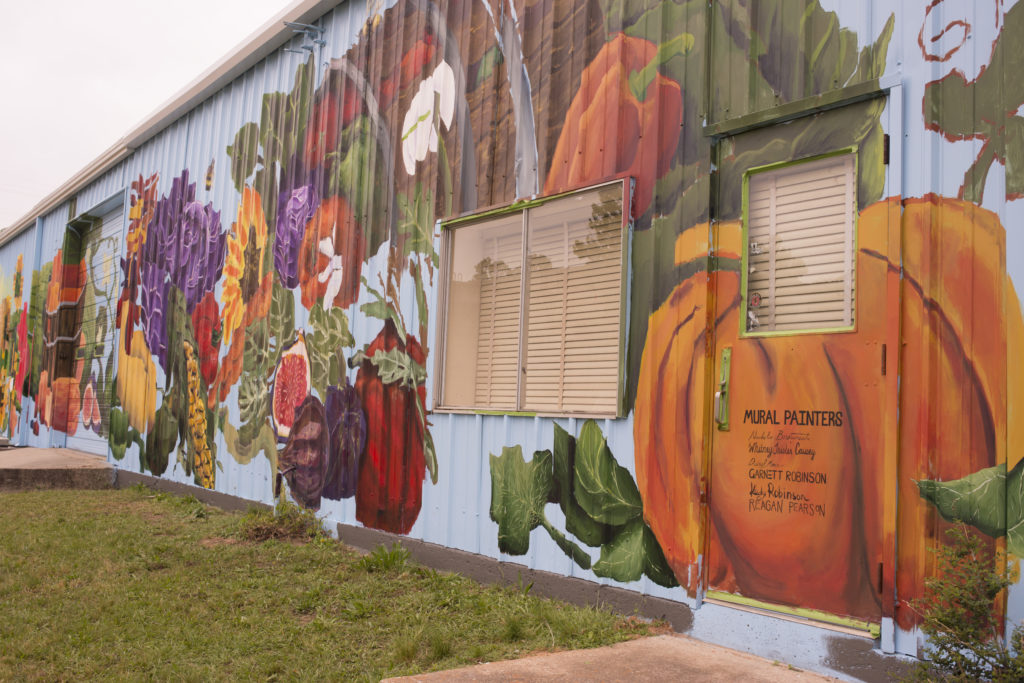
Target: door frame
[[891, 88]]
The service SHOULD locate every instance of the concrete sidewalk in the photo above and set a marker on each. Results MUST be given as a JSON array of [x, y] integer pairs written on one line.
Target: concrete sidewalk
[[53, 468], [661, 658]]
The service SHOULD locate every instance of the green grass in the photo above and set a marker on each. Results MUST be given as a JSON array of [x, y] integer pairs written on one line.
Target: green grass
[[138, 584]]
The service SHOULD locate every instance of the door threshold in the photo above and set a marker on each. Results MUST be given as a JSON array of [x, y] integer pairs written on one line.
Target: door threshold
[[849, 626]]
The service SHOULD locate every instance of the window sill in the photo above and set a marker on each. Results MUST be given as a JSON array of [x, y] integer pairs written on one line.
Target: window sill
[[491, 412]]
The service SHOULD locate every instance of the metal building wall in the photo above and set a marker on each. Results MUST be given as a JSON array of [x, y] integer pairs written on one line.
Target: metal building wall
[[519, 70]]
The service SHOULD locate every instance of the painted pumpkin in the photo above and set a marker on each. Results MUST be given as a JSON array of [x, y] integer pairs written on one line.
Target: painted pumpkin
[[953, 411]]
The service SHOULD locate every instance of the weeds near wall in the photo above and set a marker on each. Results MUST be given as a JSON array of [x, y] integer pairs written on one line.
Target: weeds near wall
[[383, 559], [286, 521], [961, 619]]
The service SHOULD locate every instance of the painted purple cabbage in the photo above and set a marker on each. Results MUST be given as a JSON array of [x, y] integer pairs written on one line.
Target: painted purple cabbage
[[303, 462], [296, 204], [185, 240], [153, 287], [347, 425]]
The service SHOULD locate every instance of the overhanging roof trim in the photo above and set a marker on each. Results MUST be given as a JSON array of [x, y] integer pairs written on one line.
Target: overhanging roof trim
[[262, 43]]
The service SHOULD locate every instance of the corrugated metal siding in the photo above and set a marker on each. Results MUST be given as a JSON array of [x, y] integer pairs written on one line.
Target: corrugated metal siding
[[560, 43]]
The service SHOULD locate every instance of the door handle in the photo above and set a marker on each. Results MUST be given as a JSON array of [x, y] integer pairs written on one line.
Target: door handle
[[721, 406]]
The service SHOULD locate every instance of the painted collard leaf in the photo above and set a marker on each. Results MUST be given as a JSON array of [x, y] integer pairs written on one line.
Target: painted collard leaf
[[604, 488], [991, 500], [599, 498], [519, 490]]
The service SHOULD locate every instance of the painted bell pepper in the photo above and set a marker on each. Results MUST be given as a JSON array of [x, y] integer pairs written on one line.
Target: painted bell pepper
[[390, 488], [624, 120]]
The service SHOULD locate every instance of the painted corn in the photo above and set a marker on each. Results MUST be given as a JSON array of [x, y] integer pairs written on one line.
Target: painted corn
[[203, 458]]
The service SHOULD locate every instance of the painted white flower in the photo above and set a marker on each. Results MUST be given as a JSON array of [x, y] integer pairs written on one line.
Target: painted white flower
[[332, 273], [434, 101]]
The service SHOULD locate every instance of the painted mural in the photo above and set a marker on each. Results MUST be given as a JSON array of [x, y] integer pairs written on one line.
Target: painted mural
[[292, 327]]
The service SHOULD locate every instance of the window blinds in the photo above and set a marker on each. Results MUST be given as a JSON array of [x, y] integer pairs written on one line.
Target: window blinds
[[540, 333], [800, 265]]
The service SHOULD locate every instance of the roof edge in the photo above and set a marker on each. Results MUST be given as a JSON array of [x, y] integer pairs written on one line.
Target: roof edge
[[263, 42]]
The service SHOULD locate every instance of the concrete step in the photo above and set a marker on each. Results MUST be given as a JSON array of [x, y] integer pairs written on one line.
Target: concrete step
[[53, 468]]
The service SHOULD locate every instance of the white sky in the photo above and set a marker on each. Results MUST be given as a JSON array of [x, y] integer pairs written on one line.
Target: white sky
[[76, 75]]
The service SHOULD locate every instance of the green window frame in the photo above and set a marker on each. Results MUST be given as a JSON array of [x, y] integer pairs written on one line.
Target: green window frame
[[533, 306], [799, 266]]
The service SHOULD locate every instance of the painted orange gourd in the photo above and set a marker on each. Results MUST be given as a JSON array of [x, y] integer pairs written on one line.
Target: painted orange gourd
[[953, 411]]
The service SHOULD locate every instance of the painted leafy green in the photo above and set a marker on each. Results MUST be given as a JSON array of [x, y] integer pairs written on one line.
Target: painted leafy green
[[991, 500], [604, 489], [281, 319], [329, 333], [256, 357], [577, 521], [633, 552], [622, 557], [416, 223], [1015, 510], [578, 554], [979, 499], [519, 490], [243, 154], [253, 398], [40, 280], [246, 443], [995, 98]]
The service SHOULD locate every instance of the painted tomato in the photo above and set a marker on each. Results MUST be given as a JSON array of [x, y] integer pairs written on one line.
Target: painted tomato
[[611, 130], [390, 488], [959, 314]]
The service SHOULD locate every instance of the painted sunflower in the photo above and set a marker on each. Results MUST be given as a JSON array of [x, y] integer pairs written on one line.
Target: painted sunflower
[[246, 292]]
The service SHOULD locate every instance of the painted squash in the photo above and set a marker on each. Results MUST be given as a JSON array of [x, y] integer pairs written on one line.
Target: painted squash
[[959, 317]]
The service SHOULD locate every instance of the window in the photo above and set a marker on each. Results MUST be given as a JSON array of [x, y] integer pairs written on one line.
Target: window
[[533, 306], [799, 259]]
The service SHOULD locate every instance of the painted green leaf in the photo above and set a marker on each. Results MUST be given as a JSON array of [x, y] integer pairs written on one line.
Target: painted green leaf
[[329, 328], [1015, 510], [395, 366], [603, 488], [281, 319], [243, 154], [253, 398], [995, 97], [519, 490], [429, 452], [655, 565], [979, 499], [622, 558], [1014, 156], [578, 554], [577, 521], [245, 444], [256, 356], [415, 222], [328, 334], [40, 280], [633, 552]]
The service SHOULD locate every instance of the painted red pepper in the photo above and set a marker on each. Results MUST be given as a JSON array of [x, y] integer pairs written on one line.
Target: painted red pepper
[[624, 120], [390, 489]]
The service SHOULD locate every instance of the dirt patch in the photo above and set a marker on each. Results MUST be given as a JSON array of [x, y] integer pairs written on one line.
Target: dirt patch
[[218, 541]]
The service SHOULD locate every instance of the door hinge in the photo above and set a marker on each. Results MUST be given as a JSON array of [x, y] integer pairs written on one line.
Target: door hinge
[[883, 360], [885, 149], [879, 577]]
